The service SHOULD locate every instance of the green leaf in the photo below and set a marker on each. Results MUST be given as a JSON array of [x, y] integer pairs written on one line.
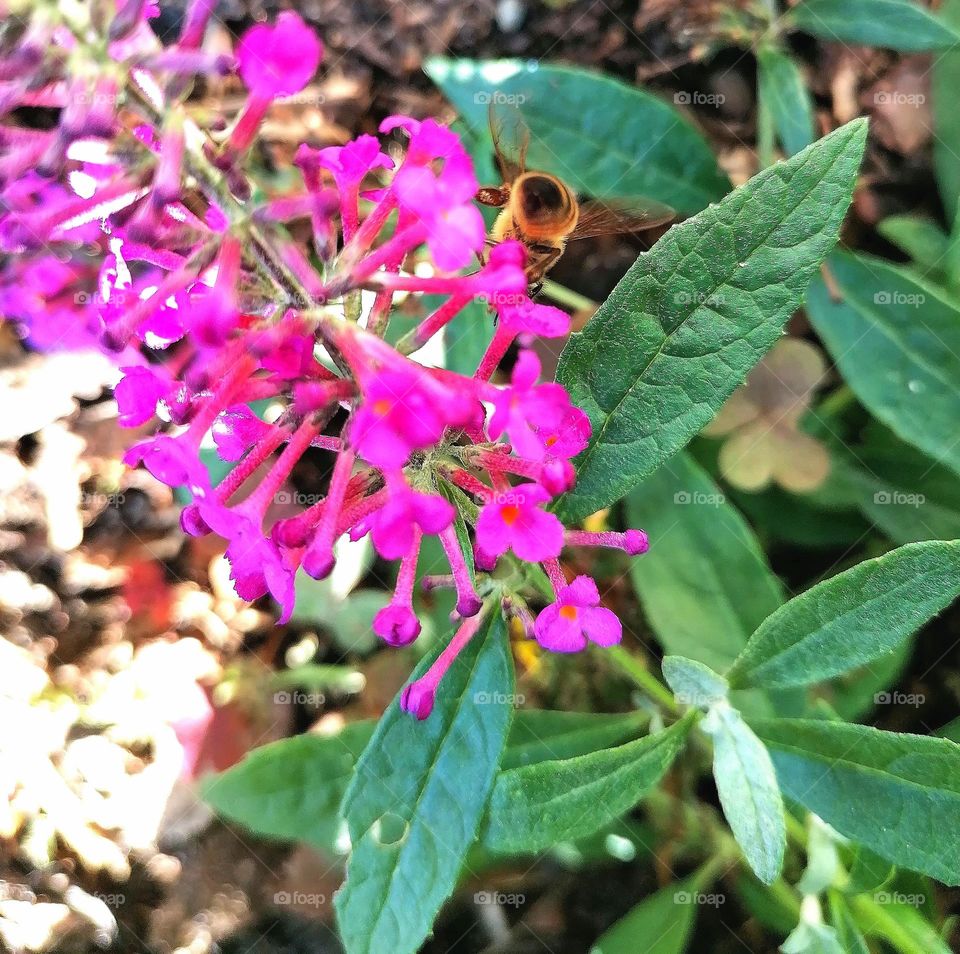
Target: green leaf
[[868, 872], [601, 136], [318, 676], [851, 619], [292, 789], [693, 684], [705, 584], [902, 491], [951, 730], [848, 934], [920, 238], [537, 805], [776, 907], [823, 858], [781, 87], [944, 83], [348, 619], [807, 938], [896, 339], [802, 520], [900, 925], [897, 24], [854, 694], [897, 794], [461, 502], [417, 798], [541, 734], [748, 791], [660, 924], [697, 312]]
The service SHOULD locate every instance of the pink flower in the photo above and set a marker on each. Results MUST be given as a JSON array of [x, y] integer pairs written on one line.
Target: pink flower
[[524, 317], [404, 409], [526, 405], [567, 438], [515, 521], [256, 562], [274, 61], [349, 163], [279, 60], [430, 140], [455, 230], [576, 616], [394, 525], [212, 314], [419, 697], [138, 392], [236, 430], [172, 460], [396, 625]]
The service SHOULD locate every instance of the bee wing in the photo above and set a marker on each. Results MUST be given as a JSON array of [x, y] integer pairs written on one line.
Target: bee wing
[[613, 216], [510, 140]]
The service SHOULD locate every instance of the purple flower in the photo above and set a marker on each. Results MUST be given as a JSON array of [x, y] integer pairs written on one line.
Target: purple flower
[[257, 565], [138, 393], [396, 625], [279, 60], [524, 317], [514, 521], [443, 203], [576, 617], [403, 410], [350, 163], [236, 430], [525, 409], [394, 525]]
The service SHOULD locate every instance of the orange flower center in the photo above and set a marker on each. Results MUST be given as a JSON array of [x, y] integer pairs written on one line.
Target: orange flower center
[[552, 439], [510, 513], [382, 407], [568, 612]]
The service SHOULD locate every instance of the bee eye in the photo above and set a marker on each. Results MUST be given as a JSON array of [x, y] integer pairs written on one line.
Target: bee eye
[[541, 196]]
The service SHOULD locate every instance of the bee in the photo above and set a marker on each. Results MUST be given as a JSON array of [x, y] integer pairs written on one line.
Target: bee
[[543, 213]]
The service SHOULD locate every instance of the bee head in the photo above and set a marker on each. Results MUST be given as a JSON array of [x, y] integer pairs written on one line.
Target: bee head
[[543, 205]]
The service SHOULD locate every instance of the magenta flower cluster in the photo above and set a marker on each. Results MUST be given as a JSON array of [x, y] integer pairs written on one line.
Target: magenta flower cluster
[[133, 229]]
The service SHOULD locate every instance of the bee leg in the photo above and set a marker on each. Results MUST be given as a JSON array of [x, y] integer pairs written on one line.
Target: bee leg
[[493, 196], [546, 258], [535, 289]]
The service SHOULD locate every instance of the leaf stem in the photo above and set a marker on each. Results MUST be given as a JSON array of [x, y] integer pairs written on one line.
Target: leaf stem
[[566, 296], [628, 664]]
